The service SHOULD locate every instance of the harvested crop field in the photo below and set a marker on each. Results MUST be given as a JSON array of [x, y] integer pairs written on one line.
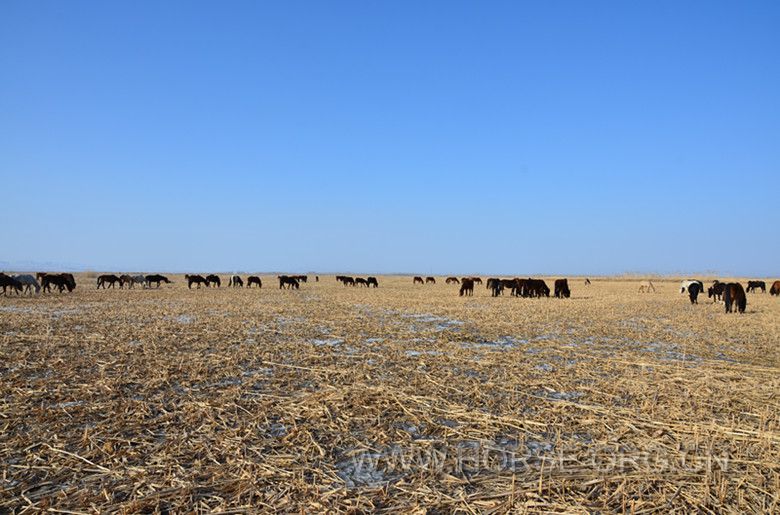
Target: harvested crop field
[[404, 397]]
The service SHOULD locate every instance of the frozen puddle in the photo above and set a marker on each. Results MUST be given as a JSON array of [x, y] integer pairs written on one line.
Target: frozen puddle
[[327, 342]]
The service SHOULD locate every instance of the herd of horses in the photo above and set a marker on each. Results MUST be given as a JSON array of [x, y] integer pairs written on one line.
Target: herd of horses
[[733, 294], [358, 281]]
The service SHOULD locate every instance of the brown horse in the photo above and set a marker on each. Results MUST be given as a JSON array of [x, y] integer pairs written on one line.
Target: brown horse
[[213, 279], [430, 280], [587, 282], [109, 279], [253, 279], [715, 292], [755, 285], [466, 287], [418, 280], [733, 293], [452, 280], [195, 279], [775, 289]]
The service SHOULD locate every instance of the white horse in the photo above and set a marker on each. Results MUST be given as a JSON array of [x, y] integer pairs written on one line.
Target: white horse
[[29, 282], [684, 285], [646, 287]]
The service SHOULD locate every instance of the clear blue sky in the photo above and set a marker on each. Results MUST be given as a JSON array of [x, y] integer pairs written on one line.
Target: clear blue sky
[[433, 137]]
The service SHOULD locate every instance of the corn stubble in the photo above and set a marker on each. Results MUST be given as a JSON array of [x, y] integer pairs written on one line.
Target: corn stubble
[[403, 398]]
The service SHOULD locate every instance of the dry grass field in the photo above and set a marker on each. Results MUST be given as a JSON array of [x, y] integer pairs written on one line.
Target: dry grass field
[[402, 398]]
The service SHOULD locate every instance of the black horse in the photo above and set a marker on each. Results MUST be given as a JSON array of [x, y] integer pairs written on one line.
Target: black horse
[[288, 282], [213, 279], [466, 287], [61, 281], [156, 279], [371, 281], [693, 292], [6, 281], [754, 285], [195, 279], [562, 289], [360, 281], [253, 279], [108, 279]]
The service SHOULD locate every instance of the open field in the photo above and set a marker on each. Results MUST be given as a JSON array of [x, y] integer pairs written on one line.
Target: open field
[[397, 398]]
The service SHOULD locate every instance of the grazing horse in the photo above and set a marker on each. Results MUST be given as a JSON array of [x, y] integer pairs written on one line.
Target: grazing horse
[[687, 283], [476, 280], [693, 293], [6, 281], [371, 281], [213, 279], [715, 292], [537, 288], [452, 280], [289, 282], [360, 281], [348, 281], [138, 279], [195, 279], [235, 281], [418, 280], [466, 287], [587, 282], [430, 280], [29, 282], [125, 279], [646, 287], [754, 285], [775, 289], [496, 286], [61, 281], [562, 289], [253, 279], [109, 279], [734, 294], [157, 279]]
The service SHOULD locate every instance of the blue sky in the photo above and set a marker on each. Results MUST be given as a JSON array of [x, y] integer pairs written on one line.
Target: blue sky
[[432, 137]]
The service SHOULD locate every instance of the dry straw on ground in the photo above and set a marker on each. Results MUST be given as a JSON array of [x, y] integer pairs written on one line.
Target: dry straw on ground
[[401, 398]]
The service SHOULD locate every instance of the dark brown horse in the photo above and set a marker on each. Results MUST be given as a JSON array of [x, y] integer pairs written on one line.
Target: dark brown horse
[[775, 289], [562, 289], [371, 281], [108, 279], [235, 282], [587, 282], [466, 287], [195, 279], [430, 280], [733, 293], [452, 280], [418, 280], [755, 285], [359, 281], [213, 279]]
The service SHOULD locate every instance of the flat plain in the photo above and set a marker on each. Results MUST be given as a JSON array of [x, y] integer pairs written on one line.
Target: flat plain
[[401, 398]]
